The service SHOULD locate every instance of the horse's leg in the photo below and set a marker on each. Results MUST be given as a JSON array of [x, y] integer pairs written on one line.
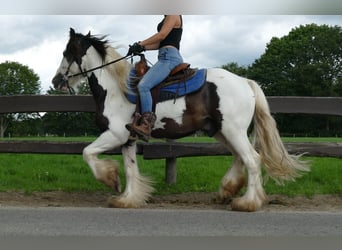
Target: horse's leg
[[232, 182], [138, 188], [234, 179], [104, 170], [255, 196]]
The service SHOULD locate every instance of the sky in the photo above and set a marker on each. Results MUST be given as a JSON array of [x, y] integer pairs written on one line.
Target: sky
[[208, 41]]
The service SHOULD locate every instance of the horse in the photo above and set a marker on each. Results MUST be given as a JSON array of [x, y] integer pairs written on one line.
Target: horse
[[224, 107]]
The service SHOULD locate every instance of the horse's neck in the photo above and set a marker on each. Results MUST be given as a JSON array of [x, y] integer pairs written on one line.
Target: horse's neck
[[104, 77]]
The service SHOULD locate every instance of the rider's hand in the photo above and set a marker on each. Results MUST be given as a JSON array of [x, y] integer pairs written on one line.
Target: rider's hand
[[135, 49]]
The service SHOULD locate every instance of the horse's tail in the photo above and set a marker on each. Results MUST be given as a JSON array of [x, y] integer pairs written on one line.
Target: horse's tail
[[278, 163]]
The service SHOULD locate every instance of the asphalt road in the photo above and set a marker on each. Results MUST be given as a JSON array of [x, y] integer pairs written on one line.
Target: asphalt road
[[52, 221]]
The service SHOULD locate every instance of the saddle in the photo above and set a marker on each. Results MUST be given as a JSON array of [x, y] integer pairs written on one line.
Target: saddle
[[181, 81], [180, 73]]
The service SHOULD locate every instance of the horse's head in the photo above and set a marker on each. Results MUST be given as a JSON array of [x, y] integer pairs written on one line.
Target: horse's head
[[83, 55], [70, 72]]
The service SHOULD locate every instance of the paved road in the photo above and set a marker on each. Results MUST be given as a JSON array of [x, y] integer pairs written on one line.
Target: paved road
[[51, 221]]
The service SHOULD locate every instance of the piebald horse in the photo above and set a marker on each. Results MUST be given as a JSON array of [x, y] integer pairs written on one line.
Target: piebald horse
[[224, 107]]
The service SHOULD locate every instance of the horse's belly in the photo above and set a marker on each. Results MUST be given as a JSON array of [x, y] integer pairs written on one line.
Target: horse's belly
[[169, 123]]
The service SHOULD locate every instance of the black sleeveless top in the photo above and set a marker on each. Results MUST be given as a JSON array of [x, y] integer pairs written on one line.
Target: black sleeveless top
[[174, 37]]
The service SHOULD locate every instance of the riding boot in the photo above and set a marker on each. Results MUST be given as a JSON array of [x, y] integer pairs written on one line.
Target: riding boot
[[144, 129], [135, 122]]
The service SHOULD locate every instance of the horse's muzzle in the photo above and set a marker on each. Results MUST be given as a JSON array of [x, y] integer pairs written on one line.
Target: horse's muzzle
[[59, 82]]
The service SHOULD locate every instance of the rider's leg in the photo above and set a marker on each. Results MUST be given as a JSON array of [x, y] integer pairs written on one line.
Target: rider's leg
[[168, 59]]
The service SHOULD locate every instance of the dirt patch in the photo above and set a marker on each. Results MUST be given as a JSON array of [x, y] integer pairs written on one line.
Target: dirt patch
[[331, 203]]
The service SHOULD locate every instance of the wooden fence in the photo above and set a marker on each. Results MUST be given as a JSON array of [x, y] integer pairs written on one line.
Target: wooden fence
[[169, 151]]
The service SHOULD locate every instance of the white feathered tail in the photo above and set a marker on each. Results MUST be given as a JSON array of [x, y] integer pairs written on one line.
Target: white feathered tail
[[278, 163]]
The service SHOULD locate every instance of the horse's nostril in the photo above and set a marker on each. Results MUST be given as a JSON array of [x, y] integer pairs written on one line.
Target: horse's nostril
[[57, 80]]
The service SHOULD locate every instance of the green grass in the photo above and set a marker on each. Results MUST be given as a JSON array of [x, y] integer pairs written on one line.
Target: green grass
[[34, 172], [312, 139], [28, 173], [38, 172], [51, 138], [325, 177]]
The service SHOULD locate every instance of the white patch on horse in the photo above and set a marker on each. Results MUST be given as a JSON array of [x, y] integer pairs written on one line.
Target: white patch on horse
[[171, 110], [239, 98]]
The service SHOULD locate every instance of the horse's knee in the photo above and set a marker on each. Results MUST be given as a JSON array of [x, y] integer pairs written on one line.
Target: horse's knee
[[86, 153]]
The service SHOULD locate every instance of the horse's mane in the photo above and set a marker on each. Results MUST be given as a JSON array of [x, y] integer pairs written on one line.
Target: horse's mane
[[118, 70]]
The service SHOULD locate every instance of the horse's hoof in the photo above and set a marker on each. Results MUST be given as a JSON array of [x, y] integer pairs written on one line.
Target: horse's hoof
[[245, 205], [116, 202], [230, 189], [218, 199]]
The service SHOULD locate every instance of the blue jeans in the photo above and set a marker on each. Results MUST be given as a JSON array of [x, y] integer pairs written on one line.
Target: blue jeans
[[168, 59]]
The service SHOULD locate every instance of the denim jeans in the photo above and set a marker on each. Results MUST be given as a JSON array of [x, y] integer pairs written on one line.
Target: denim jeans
[[168, 59]]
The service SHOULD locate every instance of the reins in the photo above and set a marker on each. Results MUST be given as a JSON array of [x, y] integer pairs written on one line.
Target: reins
[[83, 73], [99, 67]]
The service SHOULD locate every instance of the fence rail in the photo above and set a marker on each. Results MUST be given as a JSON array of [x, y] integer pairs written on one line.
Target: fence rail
[[168, 150], [163, 150], [85, 103]]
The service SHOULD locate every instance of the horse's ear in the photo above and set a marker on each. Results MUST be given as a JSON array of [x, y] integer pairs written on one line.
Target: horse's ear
[[72, 32], [88, 35]]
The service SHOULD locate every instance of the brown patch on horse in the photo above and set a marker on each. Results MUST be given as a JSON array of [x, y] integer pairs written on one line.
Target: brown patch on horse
[[201, 113], [99, 95]]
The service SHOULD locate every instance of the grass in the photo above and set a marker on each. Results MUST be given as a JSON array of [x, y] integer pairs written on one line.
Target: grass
[[30, 173], [38, 172]]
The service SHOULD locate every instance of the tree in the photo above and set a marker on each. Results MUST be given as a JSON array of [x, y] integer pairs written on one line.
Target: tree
[[236, 69], [306, 62], [16, 79]]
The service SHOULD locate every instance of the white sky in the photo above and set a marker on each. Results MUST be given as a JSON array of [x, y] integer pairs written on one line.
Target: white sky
[[208, 40]]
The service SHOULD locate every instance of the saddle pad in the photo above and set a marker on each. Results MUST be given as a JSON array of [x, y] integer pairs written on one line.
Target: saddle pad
[[177, 89]]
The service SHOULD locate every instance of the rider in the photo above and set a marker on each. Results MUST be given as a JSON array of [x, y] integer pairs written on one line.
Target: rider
[[167, 41]]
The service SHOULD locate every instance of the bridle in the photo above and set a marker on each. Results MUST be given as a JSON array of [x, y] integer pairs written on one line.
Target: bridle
[[66, 76], [84, 73]]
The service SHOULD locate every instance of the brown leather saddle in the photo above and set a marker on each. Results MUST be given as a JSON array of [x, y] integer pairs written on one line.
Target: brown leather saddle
[[180, 73]]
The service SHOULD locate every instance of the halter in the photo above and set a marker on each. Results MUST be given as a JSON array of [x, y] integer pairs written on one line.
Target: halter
[[66, 75]]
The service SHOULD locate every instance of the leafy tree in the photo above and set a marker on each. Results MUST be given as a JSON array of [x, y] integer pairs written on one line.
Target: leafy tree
[[236, 69], [306, 62], [16, 79]]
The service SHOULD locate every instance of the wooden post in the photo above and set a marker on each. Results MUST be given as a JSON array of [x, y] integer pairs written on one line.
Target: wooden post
[[170, 170]]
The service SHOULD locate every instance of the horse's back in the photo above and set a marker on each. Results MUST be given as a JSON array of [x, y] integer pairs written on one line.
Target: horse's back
[[234, 91], [234, 85]]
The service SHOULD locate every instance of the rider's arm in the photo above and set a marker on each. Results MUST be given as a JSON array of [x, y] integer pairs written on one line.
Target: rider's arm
[[152, 42]]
